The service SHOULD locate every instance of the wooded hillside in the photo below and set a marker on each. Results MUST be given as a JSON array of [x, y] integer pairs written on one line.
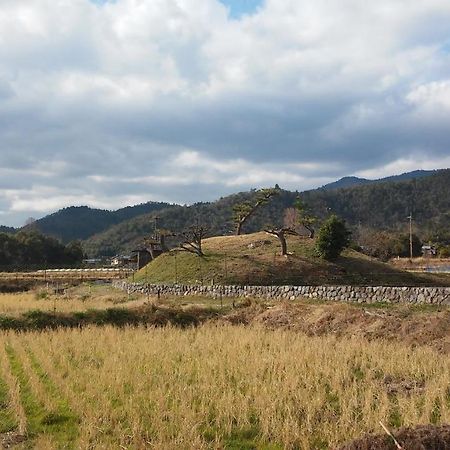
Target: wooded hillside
[[383, 205], [81, 222]]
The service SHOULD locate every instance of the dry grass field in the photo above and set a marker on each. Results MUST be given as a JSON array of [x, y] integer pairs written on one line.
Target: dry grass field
[[74, 299], [295, 375], [215, 386]]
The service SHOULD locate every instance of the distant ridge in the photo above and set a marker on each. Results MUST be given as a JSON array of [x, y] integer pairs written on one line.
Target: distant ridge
[[82, 222], [345, 182], [381, 205], [352, 181]]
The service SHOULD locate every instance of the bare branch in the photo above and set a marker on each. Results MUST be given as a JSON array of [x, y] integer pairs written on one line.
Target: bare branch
[[281, 233], [243, 211], [192, 239]]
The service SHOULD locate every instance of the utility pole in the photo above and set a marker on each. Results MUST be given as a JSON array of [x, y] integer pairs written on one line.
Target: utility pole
[[410, 237], [176, 268]]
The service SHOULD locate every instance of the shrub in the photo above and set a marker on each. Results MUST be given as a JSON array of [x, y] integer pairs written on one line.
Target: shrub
[[332, 239], [444, 252]]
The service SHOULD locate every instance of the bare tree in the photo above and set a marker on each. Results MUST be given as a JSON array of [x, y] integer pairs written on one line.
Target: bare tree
[[192, 239], [300, 216], [243, 211], [281, 234], [291, 219]]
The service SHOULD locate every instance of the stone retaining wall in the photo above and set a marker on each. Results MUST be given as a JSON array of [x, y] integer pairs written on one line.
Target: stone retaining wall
[[360, 294]]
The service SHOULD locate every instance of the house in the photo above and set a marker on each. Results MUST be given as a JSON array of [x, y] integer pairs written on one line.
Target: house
[[121, 260], [428, 251], [142, 257], [149, 250], [92, 261]]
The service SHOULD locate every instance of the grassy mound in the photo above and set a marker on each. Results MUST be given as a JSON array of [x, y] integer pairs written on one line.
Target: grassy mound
[[255, 259]]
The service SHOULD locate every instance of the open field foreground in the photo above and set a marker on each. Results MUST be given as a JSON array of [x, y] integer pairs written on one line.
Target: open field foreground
[[215, 386]]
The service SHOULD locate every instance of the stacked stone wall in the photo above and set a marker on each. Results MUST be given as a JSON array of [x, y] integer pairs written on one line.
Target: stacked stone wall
[[360, 294]]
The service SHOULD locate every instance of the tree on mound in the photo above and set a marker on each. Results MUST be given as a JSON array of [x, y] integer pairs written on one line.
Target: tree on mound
[[300, 216], [243, 211], [294, 219], [333, 237], [192, 239], [281, 234]]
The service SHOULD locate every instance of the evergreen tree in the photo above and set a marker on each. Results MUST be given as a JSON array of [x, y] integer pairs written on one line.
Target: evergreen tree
[[333, 237]]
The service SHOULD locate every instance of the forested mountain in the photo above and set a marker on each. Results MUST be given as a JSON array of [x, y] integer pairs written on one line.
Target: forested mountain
[[386, 205], [346, 182], [81, 222], [382, 205], [356, 181], [4, 229]]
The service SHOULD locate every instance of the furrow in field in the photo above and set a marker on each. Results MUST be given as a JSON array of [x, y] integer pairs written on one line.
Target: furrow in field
[[42, 420], [99, 421], [33, 381], [32, 410], [62, 410], [12, 414]]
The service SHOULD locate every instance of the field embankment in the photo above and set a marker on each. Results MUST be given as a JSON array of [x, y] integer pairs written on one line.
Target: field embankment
[[431, 265], [418, 325], [254, 259], [56, 278], [82, 306]]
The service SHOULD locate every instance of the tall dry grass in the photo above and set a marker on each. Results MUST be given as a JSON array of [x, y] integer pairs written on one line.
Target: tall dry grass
[[79, 299], [225, 386]]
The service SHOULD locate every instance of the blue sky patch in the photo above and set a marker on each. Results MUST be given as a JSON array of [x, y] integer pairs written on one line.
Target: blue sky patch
[[239, 8]]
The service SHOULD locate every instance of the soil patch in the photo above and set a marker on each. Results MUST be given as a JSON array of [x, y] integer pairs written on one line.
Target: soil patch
[[427, 437], [11, 439]]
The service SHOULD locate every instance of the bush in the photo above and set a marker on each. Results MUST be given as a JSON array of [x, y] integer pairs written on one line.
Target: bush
[[444, 252], [400, 246], [333, 237]]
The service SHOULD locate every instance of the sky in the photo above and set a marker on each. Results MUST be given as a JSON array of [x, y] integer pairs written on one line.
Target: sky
[[113, 103]]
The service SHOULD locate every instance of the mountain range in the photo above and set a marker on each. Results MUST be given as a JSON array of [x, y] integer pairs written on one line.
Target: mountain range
[[356, 181], [383, 204]]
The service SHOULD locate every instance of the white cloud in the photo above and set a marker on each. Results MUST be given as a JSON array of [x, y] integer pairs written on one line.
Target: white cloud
[[432, 98], [175, 96]]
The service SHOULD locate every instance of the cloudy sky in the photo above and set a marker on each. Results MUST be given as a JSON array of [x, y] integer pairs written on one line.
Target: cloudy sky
[[111, 103]]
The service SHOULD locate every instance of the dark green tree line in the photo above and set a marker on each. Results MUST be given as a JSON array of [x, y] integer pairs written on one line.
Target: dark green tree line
[[27, 250]]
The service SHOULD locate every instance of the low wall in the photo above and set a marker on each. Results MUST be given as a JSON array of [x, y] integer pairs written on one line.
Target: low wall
[[360, 294]]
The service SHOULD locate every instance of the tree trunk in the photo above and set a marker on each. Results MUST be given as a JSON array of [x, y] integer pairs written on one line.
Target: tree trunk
[[150, 249], [311, 231], [239, 228], [282, 240], [281, 235]]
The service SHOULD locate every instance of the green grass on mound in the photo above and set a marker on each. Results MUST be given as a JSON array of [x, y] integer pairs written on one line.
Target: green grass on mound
[[255, 259]]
